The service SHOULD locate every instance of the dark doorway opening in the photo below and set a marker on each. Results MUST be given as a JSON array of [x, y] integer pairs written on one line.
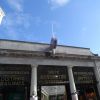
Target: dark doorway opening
[[87, 92]]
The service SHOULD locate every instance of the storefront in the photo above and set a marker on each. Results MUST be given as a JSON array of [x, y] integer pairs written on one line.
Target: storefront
[[14, 82], [86, 83], [53, 83]]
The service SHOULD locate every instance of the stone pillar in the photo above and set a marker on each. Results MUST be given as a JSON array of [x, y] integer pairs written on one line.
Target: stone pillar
[[72, 84], [33, 88], [97, 74]]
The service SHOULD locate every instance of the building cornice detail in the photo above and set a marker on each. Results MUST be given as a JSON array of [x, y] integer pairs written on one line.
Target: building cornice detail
[[38, 54]]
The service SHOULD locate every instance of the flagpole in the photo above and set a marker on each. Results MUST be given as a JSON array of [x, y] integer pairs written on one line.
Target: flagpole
[[53, 39], [52, 30]]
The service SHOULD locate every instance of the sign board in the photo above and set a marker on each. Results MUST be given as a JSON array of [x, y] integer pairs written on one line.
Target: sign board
[[14, 75], [50, 75], [84, 75]]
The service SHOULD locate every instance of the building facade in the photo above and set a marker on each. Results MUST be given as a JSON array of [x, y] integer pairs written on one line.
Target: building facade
[[30, 70]]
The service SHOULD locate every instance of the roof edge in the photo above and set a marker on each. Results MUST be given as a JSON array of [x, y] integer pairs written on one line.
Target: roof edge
[[42, 43]]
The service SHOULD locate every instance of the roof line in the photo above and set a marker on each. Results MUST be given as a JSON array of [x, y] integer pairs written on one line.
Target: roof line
[[41, 43]]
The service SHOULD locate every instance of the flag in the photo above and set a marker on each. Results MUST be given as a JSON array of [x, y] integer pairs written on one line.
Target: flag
[[2, 14]]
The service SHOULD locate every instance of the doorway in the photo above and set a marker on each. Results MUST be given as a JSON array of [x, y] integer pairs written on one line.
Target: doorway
[[87, 92], [56, 92]]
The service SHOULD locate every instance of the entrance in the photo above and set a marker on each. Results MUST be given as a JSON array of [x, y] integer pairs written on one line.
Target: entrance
[[56, 92], [53, 83], [87, 92]]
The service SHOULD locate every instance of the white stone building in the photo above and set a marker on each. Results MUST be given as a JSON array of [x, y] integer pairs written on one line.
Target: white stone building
[[30, 70]]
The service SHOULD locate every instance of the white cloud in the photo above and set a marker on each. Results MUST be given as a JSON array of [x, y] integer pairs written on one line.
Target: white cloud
[[17, 5], [16, 24], [57, 3], [16, 19]]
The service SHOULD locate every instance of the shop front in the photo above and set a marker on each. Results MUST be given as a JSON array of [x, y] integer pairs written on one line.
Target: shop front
[[86, 84], [53, 83], [14, 82]]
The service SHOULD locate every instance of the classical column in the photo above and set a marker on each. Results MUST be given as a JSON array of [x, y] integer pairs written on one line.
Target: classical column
[[97, 74], [33, 88], [72, 84]]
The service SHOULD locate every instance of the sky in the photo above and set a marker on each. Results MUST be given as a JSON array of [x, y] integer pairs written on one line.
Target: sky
[[76, 22]]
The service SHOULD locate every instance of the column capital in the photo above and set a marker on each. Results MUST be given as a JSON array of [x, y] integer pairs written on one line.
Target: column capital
[[70, 66], [34, 65], [96, 64]]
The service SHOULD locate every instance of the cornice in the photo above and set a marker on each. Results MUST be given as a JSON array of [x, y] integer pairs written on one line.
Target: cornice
[[41, 54]]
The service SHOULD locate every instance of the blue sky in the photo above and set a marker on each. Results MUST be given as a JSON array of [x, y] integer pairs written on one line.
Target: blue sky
[[76, 22]]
